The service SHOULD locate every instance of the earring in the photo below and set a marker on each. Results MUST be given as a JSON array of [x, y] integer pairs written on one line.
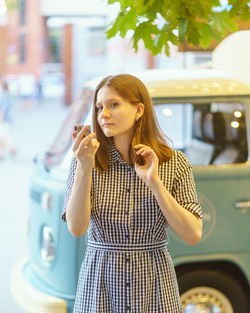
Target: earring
[[137, 119]]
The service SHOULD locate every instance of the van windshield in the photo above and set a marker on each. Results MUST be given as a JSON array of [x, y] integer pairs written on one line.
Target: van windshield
[[77, 113]]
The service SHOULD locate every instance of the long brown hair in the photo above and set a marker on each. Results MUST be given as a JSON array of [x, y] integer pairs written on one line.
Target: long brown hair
[[147, 129]]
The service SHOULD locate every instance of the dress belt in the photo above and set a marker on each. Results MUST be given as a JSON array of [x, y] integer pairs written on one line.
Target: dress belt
[[143, 247]]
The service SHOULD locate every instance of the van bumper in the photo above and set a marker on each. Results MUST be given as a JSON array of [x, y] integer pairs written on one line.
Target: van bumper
[[29, 298]]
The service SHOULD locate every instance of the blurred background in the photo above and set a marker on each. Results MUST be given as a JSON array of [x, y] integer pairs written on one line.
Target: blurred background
[[48, 49]]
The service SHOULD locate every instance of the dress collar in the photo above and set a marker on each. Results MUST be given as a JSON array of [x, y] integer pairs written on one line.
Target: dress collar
[[114, 155]]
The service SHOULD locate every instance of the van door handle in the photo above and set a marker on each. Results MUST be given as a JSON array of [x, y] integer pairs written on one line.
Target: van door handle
[[242, 206]]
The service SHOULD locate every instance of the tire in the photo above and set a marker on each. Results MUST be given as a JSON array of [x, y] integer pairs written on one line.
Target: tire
[[210, 291]]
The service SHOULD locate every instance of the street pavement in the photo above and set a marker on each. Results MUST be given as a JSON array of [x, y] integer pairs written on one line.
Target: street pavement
[[34, 127]]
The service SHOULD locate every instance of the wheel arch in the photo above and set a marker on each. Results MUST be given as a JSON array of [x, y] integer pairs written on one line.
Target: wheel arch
[[226, 267]]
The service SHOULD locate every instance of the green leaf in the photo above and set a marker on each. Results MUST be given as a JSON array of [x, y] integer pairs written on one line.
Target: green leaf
[[205, 38], [125, 4], [223, 22], [193, 35], [159, 42], [145, 31], [240, 9], [196, 21], [123, 23], [169, 31], [138, 4], [183, 23], [148, 4], [116, 26], [206, 34], [245, 15], [215, 3], [166, 50], [112, 1], [151, 9], [129, 21]]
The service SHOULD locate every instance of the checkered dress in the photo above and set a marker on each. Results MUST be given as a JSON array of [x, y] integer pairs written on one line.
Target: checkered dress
[[127, 266]]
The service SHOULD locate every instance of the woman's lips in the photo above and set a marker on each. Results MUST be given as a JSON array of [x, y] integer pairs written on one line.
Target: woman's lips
[[107, 124]]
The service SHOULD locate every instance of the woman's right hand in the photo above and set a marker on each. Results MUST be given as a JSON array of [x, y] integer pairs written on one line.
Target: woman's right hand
[[84, 148]]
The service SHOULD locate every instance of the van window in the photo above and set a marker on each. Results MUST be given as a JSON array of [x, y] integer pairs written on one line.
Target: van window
[[210, 133]]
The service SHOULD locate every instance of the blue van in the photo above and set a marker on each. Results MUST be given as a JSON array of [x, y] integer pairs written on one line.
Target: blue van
[[207, 115]]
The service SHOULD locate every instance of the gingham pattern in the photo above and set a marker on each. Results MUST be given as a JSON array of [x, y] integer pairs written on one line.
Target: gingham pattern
[[127, 267]]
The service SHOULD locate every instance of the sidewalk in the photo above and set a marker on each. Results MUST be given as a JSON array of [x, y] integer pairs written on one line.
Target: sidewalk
[[34, 128]]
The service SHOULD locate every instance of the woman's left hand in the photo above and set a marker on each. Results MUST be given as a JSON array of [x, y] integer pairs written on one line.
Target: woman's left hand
[[149, 171]]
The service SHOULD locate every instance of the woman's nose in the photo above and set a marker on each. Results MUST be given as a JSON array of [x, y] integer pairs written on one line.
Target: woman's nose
[[105, 113]]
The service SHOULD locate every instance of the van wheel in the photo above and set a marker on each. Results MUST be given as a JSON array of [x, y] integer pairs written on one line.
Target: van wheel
[[209, 291]]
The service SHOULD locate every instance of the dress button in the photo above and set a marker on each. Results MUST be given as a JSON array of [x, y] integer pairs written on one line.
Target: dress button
[[127, 260], [127, 212], [127, 236], [127, 308], [128, 189], [127, 284]]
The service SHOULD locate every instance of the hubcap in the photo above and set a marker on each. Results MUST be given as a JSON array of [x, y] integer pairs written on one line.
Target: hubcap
[[205, 300]]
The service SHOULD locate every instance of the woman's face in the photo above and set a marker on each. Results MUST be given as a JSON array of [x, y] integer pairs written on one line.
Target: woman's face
[[115, 115]]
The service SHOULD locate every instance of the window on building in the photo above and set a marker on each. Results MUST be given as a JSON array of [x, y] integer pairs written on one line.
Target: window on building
[[22, 49], [96, 41], [22, 11], [54, 45]]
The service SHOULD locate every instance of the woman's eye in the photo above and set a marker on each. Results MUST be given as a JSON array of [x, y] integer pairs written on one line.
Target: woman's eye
[[114, 104], [99, 108]]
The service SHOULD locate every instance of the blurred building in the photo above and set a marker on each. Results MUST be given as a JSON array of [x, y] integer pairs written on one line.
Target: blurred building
[[23, 39], [51, 47], [55, 46], [49, 44]]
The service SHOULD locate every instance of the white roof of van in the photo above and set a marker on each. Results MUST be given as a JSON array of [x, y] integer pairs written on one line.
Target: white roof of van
[[187, 83]]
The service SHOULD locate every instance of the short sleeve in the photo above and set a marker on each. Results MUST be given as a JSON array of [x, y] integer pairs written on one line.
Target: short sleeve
[[69, 186], [184, 186]]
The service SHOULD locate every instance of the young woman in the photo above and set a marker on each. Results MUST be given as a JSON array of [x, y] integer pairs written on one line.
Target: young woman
[[125, 186]]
